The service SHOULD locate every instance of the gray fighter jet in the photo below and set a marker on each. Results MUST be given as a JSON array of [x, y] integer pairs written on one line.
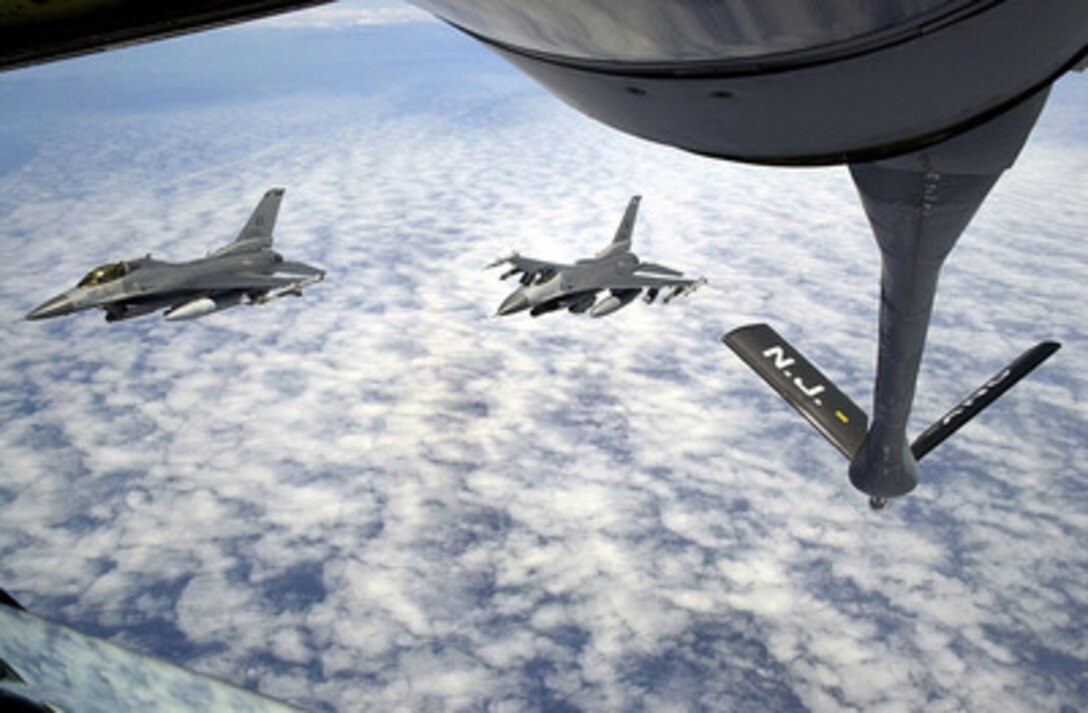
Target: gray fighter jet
[[247, 271], [549, 286]]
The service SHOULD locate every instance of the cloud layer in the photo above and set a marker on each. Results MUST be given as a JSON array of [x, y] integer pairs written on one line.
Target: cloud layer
[[381, 496]]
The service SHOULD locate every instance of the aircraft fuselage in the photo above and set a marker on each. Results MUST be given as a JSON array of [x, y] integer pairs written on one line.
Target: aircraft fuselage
[[150, 285], [574, 287]]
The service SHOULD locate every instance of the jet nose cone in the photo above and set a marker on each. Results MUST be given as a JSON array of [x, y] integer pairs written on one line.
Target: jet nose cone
[[514, 303], [59, 305]]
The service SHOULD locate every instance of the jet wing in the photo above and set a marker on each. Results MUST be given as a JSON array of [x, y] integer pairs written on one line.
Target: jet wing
[[298, 268], [636, 281], [657, 269], [527, 265], [632, 284], [240, 281]]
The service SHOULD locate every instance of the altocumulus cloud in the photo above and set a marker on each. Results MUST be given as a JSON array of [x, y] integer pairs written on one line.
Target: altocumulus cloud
[[381, 496]]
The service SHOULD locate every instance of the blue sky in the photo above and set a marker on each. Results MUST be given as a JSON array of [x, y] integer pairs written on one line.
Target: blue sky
[[380, 495]]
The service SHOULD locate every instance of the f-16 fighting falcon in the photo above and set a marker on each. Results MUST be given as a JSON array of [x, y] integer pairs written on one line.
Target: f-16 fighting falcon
[[549, 286], [247, 271]]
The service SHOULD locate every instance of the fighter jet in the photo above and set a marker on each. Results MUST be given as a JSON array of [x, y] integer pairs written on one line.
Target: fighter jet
[[247, 271], [549, 286]]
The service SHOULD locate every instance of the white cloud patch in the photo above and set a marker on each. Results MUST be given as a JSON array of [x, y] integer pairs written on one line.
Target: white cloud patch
[[381, 496]]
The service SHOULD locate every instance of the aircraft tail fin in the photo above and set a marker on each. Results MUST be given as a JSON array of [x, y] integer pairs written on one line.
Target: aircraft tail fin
[[257, 233], [982, 397], [263, 220], [802, 385], [621, 243]]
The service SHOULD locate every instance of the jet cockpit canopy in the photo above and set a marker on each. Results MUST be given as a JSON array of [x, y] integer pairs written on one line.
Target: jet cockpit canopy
[[105, 273]]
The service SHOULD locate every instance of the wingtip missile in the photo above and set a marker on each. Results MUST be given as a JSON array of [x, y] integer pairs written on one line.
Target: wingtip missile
[[501, 261]]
